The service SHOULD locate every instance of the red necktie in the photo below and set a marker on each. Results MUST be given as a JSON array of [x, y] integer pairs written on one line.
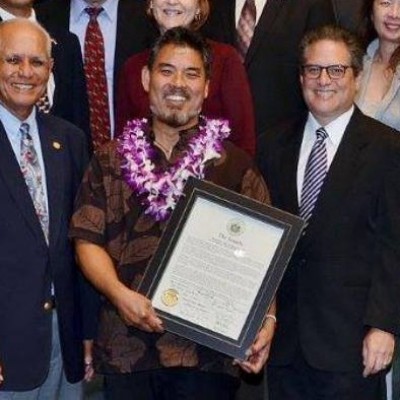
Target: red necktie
[[246, 26], [96, 80]]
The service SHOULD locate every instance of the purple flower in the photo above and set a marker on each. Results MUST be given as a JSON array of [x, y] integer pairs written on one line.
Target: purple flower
[[162, 189]]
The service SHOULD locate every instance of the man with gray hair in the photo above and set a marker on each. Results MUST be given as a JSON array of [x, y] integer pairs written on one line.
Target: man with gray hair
[[41, 162]]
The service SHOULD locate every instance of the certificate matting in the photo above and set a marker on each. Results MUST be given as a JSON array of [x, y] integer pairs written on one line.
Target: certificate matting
[[218, 266]]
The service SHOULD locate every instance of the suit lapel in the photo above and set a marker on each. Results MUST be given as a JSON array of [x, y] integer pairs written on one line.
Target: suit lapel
[[52, 148], [287, 161], [341, 174], [265, 24], [11, 174]]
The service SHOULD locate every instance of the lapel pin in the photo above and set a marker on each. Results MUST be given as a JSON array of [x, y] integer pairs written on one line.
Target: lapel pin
[[57, 145]]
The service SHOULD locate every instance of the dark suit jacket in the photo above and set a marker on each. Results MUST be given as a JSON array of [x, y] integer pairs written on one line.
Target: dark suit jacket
[[70, 96], [344, 276], [28, 265], [135, 33], [348, 13], [272, 58]]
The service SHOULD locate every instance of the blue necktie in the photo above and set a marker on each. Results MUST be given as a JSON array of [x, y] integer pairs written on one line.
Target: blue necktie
[[315, 173]]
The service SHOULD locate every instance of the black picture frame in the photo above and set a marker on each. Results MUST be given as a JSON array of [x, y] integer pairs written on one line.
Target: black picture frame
[[291, 227]]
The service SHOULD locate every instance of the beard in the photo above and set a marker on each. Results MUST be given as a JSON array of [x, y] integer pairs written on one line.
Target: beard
[[173, 115], [176, 118]]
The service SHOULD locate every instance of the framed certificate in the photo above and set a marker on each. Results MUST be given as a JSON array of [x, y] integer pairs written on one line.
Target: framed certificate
[[218, 266]]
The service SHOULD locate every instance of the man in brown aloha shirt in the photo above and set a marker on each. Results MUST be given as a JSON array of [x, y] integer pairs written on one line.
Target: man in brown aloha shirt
[[121, 211]]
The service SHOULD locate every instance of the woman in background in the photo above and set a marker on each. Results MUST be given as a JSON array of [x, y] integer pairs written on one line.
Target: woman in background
[[229, 93], [379, 93]]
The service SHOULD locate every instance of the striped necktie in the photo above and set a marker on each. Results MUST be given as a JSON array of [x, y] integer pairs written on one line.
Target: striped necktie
[[315, 173], [246, 26], [33, 176]]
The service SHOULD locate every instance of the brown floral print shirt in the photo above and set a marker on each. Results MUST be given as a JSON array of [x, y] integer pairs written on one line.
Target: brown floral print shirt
[[108, 214]]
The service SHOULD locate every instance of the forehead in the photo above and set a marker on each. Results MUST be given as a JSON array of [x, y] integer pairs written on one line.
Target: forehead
[[327, 52], [180, 57], [22, 40]]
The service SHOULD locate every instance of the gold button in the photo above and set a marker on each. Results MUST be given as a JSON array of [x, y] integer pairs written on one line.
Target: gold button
[[47, 306]]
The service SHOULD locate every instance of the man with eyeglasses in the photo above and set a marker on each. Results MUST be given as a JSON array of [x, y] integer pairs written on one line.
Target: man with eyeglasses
[[339, 169]]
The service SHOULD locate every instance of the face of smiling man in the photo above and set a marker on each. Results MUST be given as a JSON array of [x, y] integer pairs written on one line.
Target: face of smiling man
[[25, 66], [328, 98], [177, 86]]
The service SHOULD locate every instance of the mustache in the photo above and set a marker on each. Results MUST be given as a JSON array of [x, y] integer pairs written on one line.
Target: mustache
[[172, 90]]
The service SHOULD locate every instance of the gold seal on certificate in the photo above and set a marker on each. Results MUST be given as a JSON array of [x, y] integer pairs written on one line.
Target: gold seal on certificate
[[170, 297], [236, 227]]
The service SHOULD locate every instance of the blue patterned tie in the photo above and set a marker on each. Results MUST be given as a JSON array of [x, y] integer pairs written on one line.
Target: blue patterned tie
[[315, 173], [32, 173]]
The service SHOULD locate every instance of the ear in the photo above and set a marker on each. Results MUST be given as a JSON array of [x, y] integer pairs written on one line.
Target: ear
[[146, 78], [301, 77], [206, 88], [51, 64], [358, 79]]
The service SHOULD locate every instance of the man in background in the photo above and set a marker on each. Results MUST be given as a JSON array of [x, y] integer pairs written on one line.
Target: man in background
[[109, 31], [267, 35]]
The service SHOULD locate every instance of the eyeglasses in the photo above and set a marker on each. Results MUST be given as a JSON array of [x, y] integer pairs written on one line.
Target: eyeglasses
[[313, 71]]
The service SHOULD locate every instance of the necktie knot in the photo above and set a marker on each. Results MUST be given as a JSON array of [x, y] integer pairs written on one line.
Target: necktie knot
[[251, 6], [93, 12], [321, 133], [24, 129]]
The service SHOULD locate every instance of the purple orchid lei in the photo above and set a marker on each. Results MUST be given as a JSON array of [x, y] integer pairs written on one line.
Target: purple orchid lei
[[159, 189]]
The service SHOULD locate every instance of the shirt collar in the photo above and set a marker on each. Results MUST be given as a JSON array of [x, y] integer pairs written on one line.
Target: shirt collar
[[5, 15], [184, 136], [110, 9], [12, 123], [336, 128], [372, 48]]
